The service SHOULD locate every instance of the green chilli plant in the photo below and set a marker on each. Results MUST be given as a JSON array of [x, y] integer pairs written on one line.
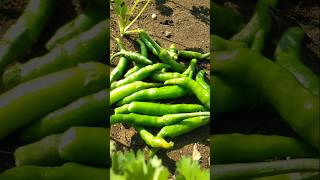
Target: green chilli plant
[[125, 14]]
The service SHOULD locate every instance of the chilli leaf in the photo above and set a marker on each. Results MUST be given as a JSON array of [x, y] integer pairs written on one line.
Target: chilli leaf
[[128, 165], [121, 11], [190, 170], [114, 176]]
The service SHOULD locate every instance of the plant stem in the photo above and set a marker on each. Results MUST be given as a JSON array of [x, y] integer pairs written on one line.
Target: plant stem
[[133, 7], [140, 13], [132, 31]]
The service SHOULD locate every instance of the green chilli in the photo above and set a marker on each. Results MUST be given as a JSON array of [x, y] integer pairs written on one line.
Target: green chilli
[[25, 32], [218, 43], [153, 121], [65, 172], [31, 99], [164, 55], [86, 111], [136, 57], [143, 48], [258, 41], [42, 153], [117, 72], [228, 95], [200, 78], [157, 109], [152, 141], [183, 127], [126, 90], [193, 55], [236, 148], [79, 24], [77, 144], [139, 75], [87, 46], [166, 92], [260, 20], [202, 94], [163, 76], [276, 84], [149, 42], [287, 54], [88, 145], [191, 69], [226, 21]]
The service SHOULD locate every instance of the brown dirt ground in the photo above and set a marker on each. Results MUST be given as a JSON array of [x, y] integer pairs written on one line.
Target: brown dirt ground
[[188, 21]]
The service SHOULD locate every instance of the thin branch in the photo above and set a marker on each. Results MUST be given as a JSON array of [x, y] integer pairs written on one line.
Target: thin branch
[[140, 13], [133, 7]]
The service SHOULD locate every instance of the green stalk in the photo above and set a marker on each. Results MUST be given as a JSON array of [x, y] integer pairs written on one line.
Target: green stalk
[[133, 7], [140, 13]]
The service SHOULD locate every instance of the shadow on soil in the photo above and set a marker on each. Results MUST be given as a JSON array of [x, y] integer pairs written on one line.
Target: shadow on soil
[[201, 13], [162, 8]]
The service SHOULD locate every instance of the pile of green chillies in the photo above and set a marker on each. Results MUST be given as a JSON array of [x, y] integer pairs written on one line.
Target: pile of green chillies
[[53, 106], [139, 95], [242, 78]]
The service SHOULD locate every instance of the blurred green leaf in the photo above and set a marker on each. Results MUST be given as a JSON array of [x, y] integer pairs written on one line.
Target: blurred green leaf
[[190, 170], [129, 165]]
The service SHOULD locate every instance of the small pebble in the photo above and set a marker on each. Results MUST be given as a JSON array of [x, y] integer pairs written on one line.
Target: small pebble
[[154, 16], [168, 34]]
